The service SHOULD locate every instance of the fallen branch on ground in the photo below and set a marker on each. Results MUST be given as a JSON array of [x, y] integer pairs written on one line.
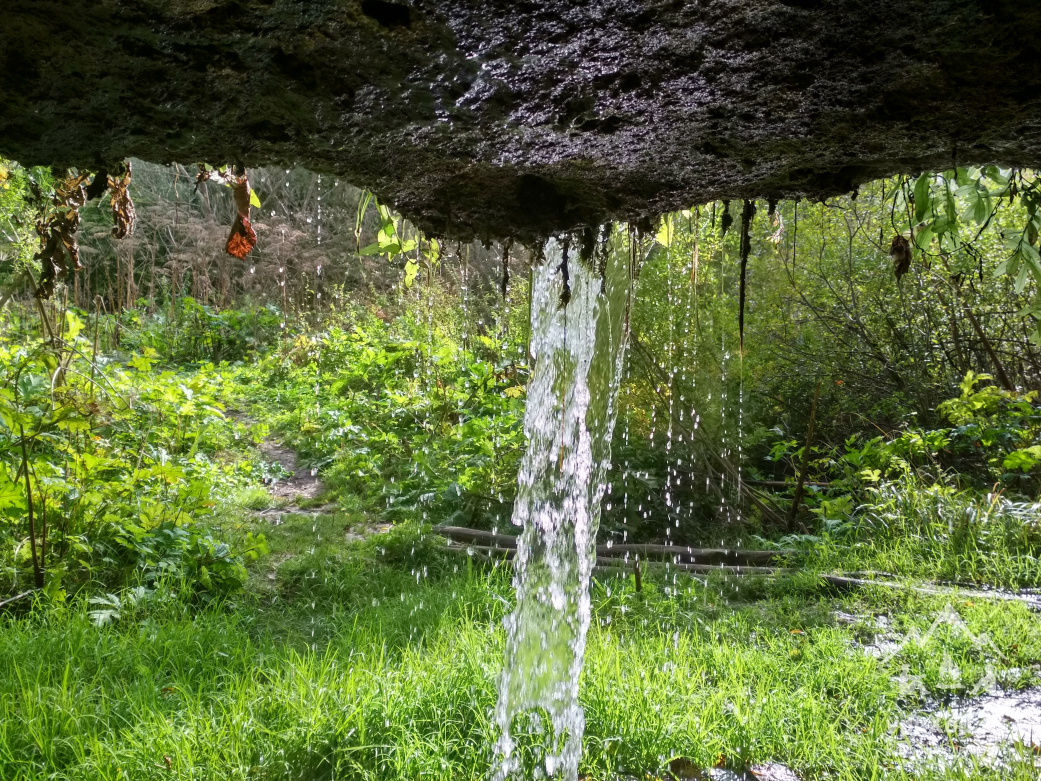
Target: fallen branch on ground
[[491, 553], [845, 583], [4, 603]]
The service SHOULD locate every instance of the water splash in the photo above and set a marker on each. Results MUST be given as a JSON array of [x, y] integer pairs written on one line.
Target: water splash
[[579, 345]]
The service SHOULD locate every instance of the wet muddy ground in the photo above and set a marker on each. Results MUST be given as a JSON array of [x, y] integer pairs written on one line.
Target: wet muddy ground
[[985, 726], [297, 491], [986, 729]]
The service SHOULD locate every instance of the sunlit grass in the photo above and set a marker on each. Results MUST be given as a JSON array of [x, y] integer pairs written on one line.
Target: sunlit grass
[[938, 534], [379, 661]]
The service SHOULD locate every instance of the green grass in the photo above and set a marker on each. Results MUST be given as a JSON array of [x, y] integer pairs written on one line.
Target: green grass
[[937, 533], [378, 660]]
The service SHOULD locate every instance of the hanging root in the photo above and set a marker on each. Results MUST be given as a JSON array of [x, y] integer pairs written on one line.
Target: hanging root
[[506, 269], [746, 247], [726, 221], [565, 294]]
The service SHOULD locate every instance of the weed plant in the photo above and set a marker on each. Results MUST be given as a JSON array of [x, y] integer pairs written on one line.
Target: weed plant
[[402, 415], [114, 474]]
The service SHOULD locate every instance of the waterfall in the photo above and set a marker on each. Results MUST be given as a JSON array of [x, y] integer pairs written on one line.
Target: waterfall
[[579, 321]]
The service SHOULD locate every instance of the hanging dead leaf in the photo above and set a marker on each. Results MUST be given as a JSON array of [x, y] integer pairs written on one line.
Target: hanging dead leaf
[[900, 252], [242, 239], [57, 232], [98, 186], [123, 213], [241, 191]]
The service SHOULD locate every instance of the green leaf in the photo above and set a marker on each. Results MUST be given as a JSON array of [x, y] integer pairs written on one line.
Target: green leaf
[[253, 199], [73, 325], [411, 271], [12, 496], [982, 208], [950, 209], [923, 239], [993, 173], [922, 201]]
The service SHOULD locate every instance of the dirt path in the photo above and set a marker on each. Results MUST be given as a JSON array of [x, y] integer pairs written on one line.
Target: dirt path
[[299, 493], [301, 485]]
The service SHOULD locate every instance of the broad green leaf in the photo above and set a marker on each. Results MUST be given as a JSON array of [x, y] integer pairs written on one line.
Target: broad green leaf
[[664, 234], [411, 271], [254, 200], [923, 239], [949, 207], [12, 495], [1022, 278], [922, 201], [994, 173], [73, 325]]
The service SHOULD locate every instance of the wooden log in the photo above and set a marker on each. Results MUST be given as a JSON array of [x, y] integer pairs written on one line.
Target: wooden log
[[679, 553], [689, 555], [487, 551], [786, 484], [476, 536], [613, 563], [10, 600], [507, 554]]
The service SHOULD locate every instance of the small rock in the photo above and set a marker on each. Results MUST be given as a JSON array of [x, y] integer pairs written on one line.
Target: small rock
[[720, 774], [772, 771], [686, 769]]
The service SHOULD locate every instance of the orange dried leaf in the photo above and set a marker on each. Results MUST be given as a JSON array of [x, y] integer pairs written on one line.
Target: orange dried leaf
[[242, 238]]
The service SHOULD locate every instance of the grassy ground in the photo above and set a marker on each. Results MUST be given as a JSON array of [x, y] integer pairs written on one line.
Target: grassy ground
[[378, 660]]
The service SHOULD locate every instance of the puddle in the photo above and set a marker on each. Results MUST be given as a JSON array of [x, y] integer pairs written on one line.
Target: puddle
[[984, 729], [875, 633]]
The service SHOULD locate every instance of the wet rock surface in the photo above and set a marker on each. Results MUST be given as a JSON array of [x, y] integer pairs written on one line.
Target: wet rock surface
[[513, 117]]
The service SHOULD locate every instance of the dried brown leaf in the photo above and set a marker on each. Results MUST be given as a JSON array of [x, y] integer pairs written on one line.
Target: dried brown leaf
[[123, 213], [242, 238]]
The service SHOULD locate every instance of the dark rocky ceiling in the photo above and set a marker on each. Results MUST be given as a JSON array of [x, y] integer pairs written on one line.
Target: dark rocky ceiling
[[521, 117]]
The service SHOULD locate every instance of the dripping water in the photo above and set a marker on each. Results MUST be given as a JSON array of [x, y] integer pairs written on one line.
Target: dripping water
[[579, 349]]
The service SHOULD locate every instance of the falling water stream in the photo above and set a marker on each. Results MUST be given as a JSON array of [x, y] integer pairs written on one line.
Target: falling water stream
[[579, 321]]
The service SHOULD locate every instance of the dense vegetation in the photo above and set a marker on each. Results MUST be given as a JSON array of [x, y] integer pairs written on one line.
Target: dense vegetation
[[164, 610]]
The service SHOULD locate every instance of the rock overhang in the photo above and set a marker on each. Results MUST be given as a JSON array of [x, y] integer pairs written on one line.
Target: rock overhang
[[496, 118]]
